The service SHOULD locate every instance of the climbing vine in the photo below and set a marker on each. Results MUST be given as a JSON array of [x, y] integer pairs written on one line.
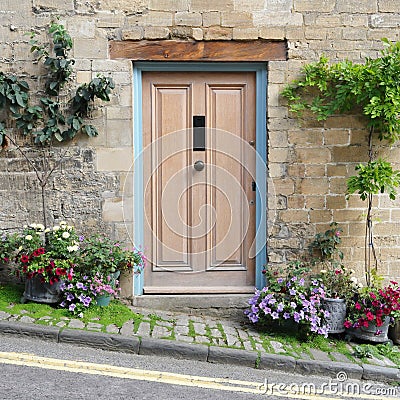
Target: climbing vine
[[328, 88], [47, 123]]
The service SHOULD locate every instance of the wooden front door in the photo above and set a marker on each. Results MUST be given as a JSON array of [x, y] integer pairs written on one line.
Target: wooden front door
[[199, 173]]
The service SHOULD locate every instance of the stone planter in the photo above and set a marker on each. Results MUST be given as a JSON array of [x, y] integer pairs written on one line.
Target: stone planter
[[337, 311], [394, 332], [369, 334], [40, 292]]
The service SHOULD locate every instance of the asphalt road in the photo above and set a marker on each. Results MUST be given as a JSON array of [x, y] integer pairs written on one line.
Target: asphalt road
[[35, 369]]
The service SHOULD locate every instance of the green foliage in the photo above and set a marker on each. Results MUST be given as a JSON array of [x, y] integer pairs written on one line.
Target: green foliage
[[47, 122], [374, 177], [326, 243], [327, 89]]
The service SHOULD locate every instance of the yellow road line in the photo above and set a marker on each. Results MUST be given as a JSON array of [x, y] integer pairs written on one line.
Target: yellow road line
[[225, 384]]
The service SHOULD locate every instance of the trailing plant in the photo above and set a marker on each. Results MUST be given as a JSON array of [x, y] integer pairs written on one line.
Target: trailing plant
[[48, 123], [328, 88]]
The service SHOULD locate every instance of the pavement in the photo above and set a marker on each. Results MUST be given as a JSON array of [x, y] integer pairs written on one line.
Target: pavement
[[202, 338]]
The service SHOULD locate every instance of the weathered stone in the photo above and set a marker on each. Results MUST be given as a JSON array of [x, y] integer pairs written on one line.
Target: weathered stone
[[76, 324], [160, 332], [274, 361], [232, 356]]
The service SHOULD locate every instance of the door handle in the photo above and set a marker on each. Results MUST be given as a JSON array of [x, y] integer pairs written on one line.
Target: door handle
[[199, 165]]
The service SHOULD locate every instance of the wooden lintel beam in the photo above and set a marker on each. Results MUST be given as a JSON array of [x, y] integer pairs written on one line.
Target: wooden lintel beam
[[221, 50]]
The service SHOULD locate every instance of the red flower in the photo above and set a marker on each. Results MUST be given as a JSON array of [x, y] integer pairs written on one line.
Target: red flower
[[373, 295], [35, 253], [40, 250], [357, 306], [338, 271], [347, 324], [24, 259], [379, 321], [40, 270], [370, 316]]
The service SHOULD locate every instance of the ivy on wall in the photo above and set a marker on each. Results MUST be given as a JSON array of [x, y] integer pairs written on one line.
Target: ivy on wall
[[328, 88]]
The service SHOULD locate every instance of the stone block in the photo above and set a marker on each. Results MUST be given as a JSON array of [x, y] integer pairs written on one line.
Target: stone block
[[156, 32], [336, 202], [211, 18], [356, 6], [245, 33], [218, 33], [24, 7], [133, 6], [278, 5], [207, 5], [313, 155], [134, 33], [313, 367], [279, 362], [59, 5], [83, 77], [272, 32], [313, 5], [197, 34], [90, 48], [169, 5], [385, 21], [169, 348], [381, 374], [388, 6], [82, 28], [115, 210], [157, 19], [100, 340], [119, 132], [236, 19], [223, 355], [293, 216], [111, 66], [318, 216], [313, 186], [188, 18], [246, 5], [29, 330], [114, 159], [278, 18], [108, 20]]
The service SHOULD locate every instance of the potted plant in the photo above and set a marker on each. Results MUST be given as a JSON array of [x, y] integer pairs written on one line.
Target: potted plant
[[43, 258], [340, 286], [372, 311], [290, 297], [101, 254]]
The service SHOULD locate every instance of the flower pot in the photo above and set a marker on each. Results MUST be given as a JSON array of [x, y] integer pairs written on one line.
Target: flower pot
[[337, 311], [394, 332], [41, 292], [103, 300], [370, 333]]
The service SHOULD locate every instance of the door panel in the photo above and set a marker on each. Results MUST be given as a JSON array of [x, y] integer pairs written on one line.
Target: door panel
[[199, 224]]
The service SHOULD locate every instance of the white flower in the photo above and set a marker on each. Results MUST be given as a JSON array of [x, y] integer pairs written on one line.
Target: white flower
[[25, 226], [19, 248], [40, 227], [56, 228], [28, 237], [47, 230], [73, 248], [63, 223], [323, 271], [352, 271], [33, 226], [65, 235]]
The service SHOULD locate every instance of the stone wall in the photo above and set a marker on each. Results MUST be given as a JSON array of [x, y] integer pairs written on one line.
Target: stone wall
[[308, 164]]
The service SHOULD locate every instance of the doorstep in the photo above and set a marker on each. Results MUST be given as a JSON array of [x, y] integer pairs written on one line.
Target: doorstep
[[230, 306]]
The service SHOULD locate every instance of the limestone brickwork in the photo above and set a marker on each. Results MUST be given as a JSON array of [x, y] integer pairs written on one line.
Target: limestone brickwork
[[308, 163]]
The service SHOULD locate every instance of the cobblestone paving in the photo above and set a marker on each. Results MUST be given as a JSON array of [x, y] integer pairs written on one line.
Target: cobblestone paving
[[198, 329]]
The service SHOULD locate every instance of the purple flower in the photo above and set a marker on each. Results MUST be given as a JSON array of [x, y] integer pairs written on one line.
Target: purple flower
[[293, 304], [70, 297], [62, 304], [280, 307], [267, 310], [72, 307], [286, 315], [275, 315], [81, 238], [296, 317], [272, 301], [292, 292], [279, 280]]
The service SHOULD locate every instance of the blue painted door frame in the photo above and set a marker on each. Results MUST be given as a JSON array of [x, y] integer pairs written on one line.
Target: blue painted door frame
[[261, 149]]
